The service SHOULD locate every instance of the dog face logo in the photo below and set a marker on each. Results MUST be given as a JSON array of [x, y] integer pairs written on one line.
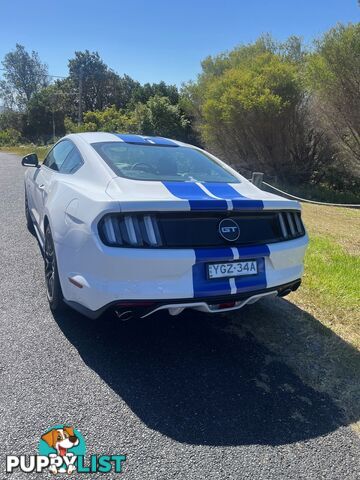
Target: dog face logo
[[62, 439], [63, 442]]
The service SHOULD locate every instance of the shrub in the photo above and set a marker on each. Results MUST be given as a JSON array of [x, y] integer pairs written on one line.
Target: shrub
[[9, 137]]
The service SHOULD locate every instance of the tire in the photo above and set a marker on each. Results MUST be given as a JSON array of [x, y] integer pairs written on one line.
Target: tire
[[29, 222], [52, 281]]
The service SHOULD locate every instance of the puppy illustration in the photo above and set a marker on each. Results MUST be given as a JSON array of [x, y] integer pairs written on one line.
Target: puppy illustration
[[61, 439]]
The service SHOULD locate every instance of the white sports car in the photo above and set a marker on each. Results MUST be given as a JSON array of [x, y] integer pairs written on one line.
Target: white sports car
[[140, 224]]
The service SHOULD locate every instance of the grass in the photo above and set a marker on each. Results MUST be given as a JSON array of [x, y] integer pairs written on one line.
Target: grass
[[331, 284], [23, 150], [321, 193], [315, 330]]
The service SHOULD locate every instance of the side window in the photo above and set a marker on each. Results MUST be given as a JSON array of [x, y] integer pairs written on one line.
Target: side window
[[72, 162], [58, 154]]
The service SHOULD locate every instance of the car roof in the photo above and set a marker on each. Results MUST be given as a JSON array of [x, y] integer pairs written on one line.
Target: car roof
[[96, 137]]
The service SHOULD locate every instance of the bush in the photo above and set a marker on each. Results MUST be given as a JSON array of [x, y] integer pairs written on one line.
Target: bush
[[9, 137]]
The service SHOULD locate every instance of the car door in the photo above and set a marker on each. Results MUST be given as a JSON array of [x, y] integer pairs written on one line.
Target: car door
[[45, 177]]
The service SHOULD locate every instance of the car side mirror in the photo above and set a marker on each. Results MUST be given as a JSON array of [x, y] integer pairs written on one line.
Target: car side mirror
[[30, 160]]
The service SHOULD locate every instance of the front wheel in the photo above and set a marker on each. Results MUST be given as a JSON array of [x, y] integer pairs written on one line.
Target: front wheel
[[53, 287]]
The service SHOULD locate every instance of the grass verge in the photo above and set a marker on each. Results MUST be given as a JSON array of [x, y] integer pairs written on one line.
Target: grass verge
[[331, 284], [316, 329], [23, 150]]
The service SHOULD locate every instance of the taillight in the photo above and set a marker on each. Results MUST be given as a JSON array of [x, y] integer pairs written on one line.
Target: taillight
[[291, 224], [130, 230]]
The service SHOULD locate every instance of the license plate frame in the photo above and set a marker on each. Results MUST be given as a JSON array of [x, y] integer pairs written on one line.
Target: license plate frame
[[242, 273]]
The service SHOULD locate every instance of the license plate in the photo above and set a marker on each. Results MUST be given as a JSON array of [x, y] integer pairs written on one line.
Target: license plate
[[231, 269]]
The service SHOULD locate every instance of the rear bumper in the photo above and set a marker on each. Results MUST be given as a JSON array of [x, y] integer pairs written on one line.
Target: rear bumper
[[94, 276], [144, 308]]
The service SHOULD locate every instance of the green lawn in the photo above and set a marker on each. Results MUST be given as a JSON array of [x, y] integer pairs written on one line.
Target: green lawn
[[332, 274], [23, 150], [315, 330], [331, 284]]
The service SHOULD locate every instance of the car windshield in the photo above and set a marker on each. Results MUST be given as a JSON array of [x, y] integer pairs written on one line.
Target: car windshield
[[162, 163]]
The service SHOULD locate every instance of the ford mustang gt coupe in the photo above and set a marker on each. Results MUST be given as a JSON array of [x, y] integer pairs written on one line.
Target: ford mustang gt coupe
[[139, 224]]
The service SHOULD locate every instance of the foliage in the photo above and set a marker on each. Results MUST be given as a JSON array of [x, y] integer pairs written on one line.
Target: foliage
[[45, 118], [156, 117], [333, 74], [11, 119], [159, 117], [96, 79], [108, 120], [9, 137], [269, 106], [24, 76], [143, 93], [251, 109]]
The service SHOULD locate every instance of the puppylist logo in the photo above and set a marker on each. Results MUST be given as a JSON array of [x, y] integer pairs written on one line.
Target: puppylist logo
[[62, 451]]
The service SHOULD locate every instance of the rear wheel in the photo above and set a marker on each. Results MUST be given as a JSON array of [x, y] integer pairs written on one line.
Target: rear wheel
[[29, 222], [53, 287]]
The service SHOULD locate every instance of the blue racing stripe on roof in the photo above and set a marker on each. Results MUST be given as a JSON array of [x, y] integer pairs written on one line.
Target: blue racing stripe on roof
[[162, 141], [197, 198], [143, 140], [128, 138], [240, 202]]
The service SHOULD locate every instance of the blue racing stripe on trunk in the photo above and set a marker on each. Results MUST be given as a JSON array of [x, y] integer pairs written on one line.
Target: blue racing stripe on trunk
[[253, 282], [198, 199], [240, 202], [202, 286], [254, 251]]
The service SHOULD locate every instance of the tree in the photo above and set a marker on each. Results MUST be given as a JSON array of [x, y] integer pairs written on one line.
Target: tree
[[159, 117], [108, 120], [156, 117], [125, 89], [10, 119], [143, 93], [98, 83], [24, 76], [45, 116], [333, 74], [251, 108]]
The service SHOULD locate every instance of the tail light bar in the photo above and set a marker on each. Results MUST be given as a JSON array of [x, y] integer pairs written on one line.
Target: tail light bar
[[130, 230], [149, 230]]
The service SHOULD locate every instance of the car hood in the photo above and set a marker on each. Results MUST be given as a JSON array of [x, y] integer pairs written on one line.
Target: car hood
[[138, 195]]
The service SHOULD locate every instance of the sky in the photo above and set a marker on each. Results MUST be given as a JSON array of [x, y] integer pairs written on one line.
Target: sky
[[157, 39]]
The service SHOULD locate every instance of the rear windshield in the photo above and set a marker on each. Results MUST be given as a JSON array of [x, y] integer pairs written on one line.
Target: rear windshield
[[162, 163]]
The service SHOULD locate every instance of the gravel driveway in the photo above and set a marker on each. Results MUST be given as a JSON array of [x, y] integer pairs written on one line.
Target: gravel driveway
[[182, 397]]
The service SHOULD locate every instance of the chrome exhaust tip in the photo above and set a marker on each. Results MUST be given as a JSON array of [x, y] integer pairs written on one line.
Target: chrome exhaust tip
[[124, 316]]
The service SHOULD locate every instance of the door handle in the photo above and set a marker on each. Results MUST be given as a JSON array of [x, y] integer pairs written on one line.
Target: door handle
[[42, 186]]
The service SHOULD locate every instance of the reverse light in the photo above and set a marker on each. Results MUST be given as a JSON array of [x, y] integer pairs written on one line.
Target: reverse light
[[130, 230]]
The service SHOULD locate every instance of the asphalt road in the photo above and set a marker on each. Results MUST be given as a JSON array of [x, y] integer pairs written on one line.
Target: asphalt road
[[182, 397]]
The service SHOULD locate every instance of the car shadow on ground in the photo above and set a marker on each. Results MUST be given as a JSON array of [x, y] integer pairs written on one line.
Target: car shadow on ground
[[190, 378]]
